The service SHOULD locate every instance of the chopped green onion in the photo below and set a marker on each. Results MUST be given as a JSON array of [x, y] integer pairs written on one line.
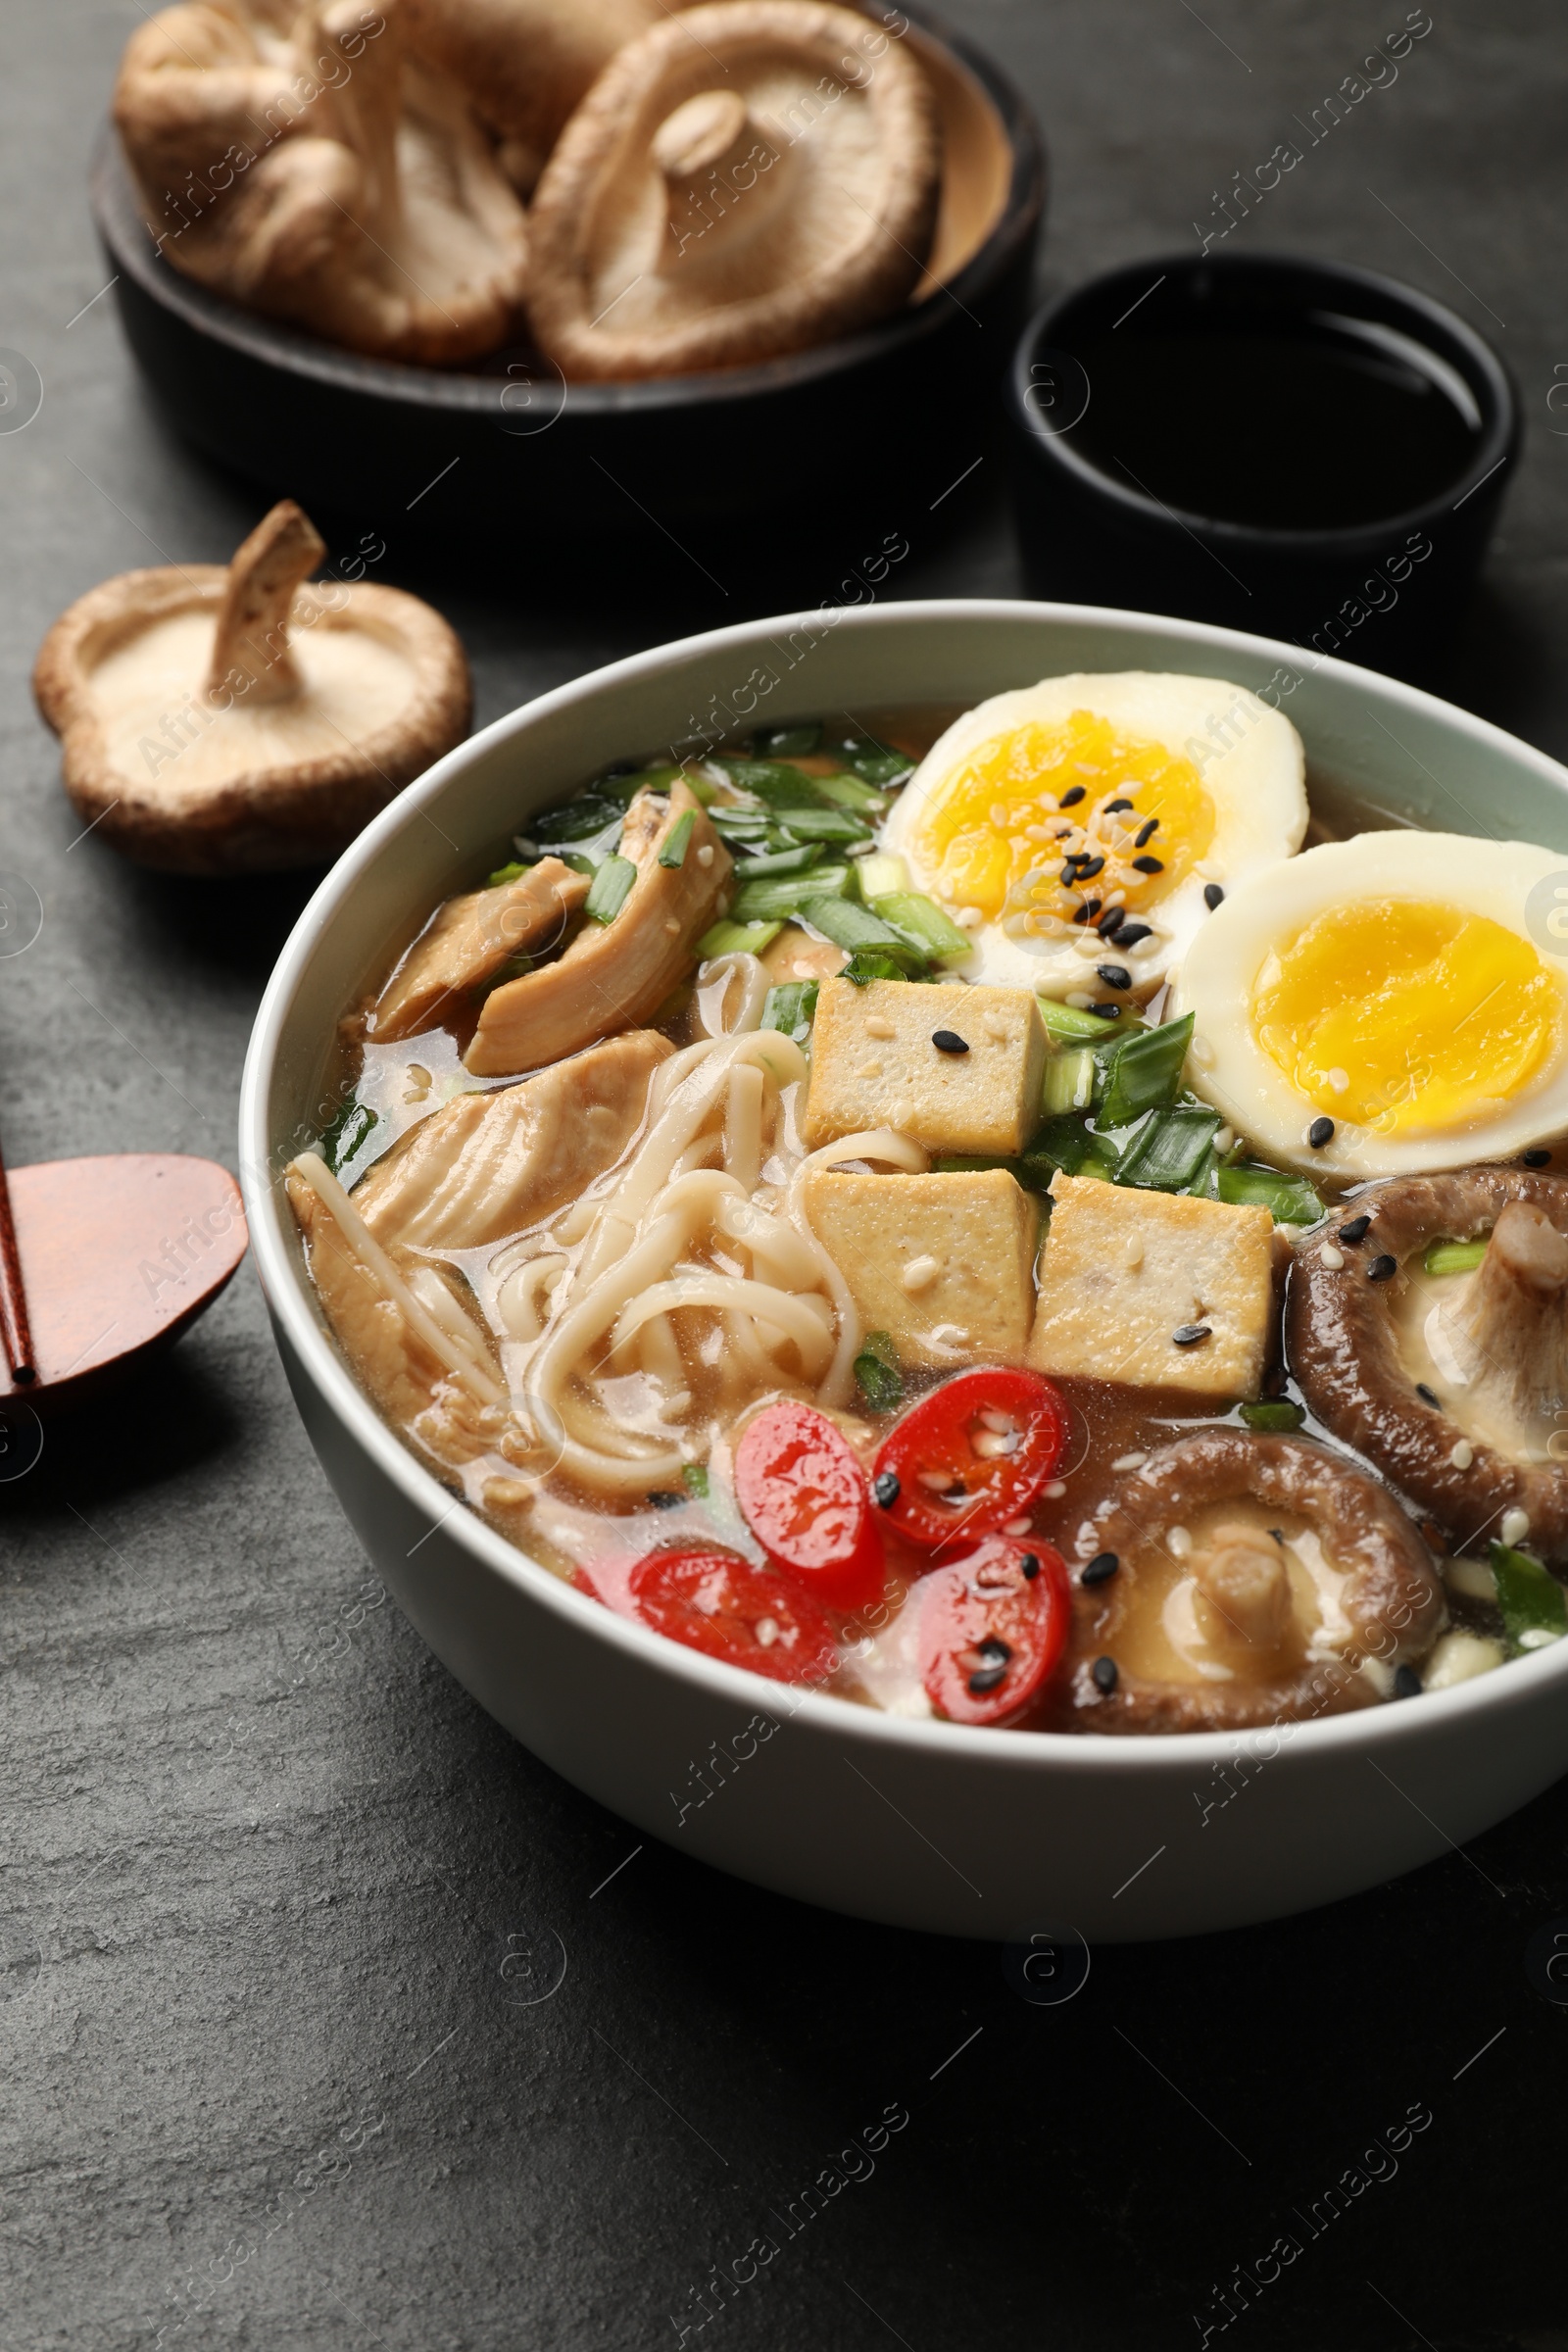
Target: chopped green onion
[[1098, 1160], [772, 781], [1144, 1072], [1273, 1413], [1070, 1025], [575, 820], [658, 776], [791, 1007], [882, 871], [1531, 1600], [673, 852], [878, 762], [867, 963], [876, 1371], [847, 792], [737, 939], [922, 922], [700, 787], [505, 873], [578, 863], [821, 824], [1070, 1081], [795, 742], [609, 890], [1033, 1170], [693, 1478], [853, 927], [1289, 1199], [348, 1132], [783, 861], [1453, 1257], [1167, 1150], [785, 895]]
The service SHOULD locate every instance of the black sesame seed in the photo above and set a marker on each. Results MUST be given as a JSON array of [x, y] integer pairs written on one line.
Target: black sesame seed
[[1114, 975], [1129, 935], [1145, 833], [1107, 1012], [885, 1487], [664, 1501], [1320, 1132], [1103, 1671], [1355, 1231], [1030, 1565], [994, 1651], [1149, 866], [987, 1679], [1089, 867], [1087, 911], [1062, 832], [1191, 1335], [1068, 874], [1111, 921], [1100, 1568], [1381, 1268], [1537, 1159], [948, 1041], [1278, 1534], [1213, 896], [1428, 1395], [1111, 806], [1071, 797], [1406, 1683]]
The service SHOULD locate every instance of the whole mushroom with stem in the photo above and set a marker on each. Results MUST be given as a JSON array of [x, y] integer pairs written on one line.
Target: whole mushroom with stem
[[311, 171], [747, 179], [233, 719]]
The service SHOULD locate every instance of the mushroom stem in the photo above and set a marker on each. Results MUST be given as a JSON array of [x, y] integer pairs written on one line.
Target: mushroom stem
[[367, 105], [1507, 1332], [698, 149], [252, 632], [1244, 1591]]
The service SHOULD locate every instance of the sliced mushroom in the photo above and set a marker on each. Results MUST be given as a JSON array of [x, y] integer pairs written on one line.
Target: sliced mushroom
[[1255, 1579], [469, 939], [221, 721], [748, 178], [613, 975], [525, 63], [312, 174], [487, 1165], [1366, 1330]]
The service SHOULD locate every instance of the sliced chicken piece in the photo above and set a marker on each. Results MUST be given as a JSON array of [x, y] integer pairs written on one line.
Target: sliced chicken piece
[[613, 975], [489, 1166], [468, 940]]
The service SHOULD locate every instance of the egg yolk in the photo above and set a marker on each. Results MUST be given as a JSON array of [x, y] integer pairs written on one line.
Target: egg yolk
[[1001, 830], [1405, 1017]]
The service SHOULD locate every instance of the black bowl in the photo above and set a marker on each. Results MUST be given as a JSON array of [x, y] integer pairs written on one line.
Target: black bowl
[[1385, 588], [511, 448]]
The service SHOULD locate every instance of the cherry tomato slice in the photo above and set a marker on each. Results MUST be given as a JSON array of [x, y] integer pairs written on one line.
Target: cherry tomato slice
[[721, 1605], [940, 1436], [992, 1627], [803, 1496]]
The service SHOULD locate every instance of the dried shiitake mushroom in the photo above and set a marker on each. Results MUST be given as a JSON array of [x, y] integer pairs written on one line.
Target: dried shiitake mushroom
[[747, 179], [525, 63], [233, 721], [317, 175]]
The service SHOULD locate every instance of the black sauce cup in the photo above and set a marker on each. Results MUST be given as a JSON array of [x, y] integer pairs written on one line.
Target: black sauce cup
[[1384, 588]]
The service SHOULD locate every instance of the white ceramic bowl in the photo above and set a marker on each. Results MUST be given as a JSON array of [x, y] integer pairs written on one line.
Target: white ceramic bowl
[[919, 1823]]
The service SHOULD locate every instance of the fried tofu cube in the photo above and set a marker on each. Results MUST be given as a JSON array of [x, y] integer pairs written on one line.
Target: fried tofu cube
[[874, 1064], [944, 1264], [1154, 1290]]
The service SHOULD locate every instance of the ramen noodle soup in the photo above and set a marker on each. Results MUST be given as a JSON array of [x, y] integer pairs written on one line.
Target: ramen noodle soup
[[1010, 1216]]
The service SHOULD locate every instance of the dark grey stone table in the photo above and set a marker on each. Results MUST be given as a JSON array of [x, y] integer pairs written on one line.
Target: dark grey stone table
[[289, 2059]]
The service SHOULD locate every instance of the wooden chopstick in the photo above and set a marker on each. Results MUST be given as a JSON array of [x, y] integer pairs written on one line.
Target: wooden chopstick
[[14, 1326]]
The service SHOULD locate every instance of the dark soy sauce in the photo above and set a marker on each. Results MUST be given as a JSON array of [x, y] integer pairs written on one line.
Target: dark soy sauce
[[1274, 420]]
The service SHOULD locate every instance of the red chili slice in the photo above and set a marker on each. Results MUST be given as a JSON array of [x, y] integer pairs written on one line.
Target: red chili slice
[[721, 1605], [992, 1627], [803, 1496], [983, 1490]]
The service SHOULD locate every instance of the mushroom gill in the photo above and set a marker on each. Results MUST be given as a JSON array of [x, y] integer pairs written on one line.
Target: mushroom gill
[[1257, 1580], [747, 179], [1455, 1385], [314, 174], [232, 720]]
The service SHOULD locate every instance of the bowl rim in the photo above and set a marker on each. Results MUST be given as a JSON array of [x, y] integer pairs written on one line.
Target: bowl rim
[[276, 343], [288, 1295], [1486, 370]]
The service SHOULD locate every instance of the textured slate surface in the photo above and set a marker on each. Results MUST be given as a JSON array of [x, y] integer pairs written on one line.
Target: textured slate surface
[[288, 2053]]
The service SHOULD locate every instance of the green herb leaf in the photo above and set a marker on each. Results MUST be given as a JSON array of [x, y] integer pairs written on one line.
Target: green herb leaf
[[673, 852], [1453, 1257], [791, 1009], [1144, 1072], [877, 1373], [1167, 1150], [867, 964], [924, 923], [1289, 1199], [1531, 1599], [609, 890], [734, 939], [693, 1478], [1275, 1412], [349, 1131]]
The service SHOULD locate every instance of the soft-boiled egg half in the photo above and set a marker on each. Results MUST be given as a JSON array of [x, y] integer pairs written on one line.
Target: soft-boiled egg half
[[1098, 820], [1394, 995]]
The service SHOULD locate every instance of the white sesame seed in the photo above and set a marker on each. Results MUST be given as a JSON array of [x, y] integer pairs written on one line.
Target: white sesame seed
[[920, 1273], [1079, 1001], [1340, 1080], [1462, 1454], [1539, 1637], [1515, 1526], [766, 1631], [1133, 1252], [1333, 1258], [877, 1025], [1179, 1543], [1201, 1051], [1129, 1461], [705, 857], [1018, 1527], [968, 918], [1055, 1490]]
